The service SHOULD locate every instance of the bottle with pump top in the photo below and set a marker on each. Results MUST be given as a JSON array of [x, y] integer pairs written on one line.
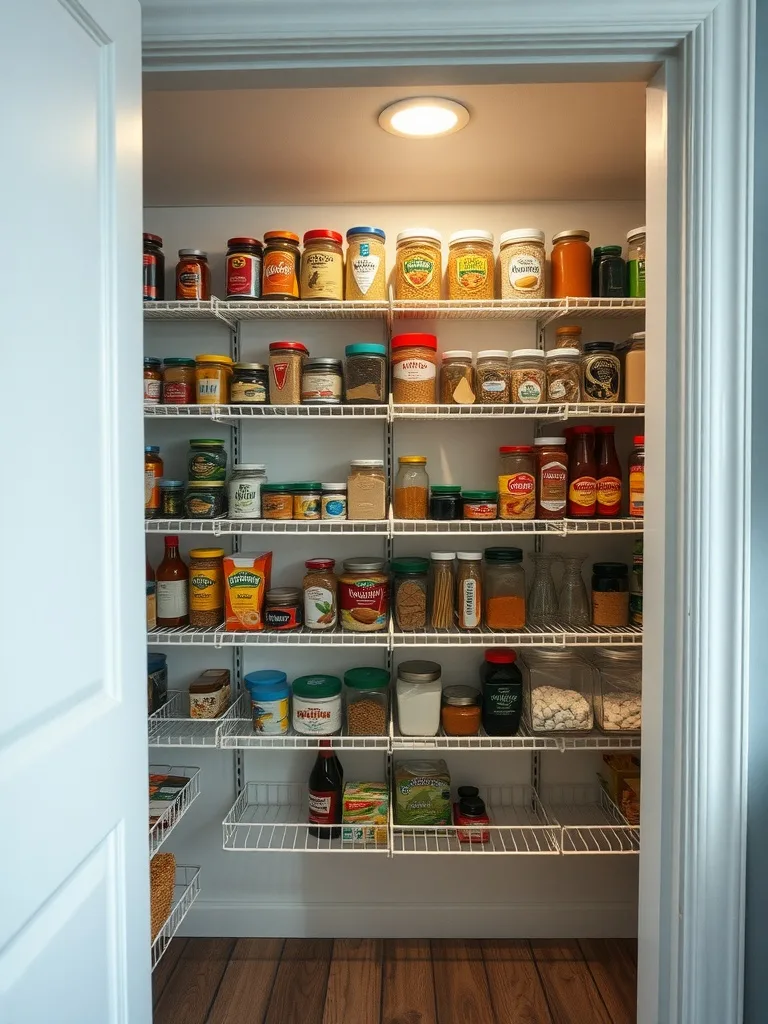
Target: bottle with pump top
[[326, 788], [172, 584], [582, 474], [608, 474]]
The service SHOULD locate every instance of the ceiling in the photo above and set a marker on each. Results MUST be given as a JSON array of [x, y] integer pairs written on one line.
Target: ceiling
[[272, 147]]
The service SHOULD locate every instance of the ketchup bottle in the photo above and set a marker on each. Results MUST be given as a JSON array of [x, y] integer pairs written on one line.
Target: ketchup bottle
[[608, 475], [582, 474], [326, 785]]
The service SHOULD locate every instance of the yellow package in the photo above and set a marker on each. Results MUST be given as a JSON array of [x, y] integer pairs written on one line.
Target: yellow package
[[247, 579]]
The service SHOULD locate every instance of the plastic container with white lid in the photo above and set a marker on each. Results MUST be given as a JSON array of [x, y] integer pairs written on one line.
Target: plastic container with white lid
[[419, 691], [408, 233], [245, 490], [521, 235], [492, 376], [471, 235]]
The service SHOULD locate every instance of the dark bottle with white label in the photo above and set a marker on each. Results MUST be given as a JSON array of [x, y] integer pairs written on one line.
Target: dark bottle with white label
[[502, 692], [326, 787]]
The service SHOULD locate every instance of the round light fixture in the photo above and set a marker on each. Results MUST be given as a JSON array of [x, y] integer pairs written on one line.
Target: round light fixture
[[424, 117]]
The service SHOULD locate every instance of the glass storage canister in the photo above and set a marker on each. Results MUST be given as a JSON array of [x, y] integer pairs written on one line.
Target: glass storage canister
[[243, 268], [245, 490], [527, 377], [409, 593], [206, 587], [154, 268], [307, 500], [193, 275], [470, 265], [153, 473], [153, 381], [636, 263], [610, 594], [364, 595], [558, 693], [419, 690], [322, 266], [320, 587], [600, 373], [172, 499], [367, 701], [321, 381], [522, 264], [469, 589], [207, 459], [445, 502], [277, 501], [442, 589], [286, 359], [367, 490], [517, 482], [492, 376], [280, 266], [317, 705], [610, 272], [618, 689], [504, 589], [205, 499], [571, 259], [634, 370], [414, 369], [250, 384], [283, 608], [502, 684], [365, 376], [411, 497], [568, 336], [457, 378], [333, 502], [460, 711], [551, 477], [480, 504], [179, 381], [419, 264], [366, 269], [563, 375], [212, 376]]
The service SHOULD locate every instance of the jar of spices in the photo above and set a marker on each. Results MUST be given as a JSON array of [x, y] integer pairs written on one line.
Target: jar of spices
[[414, 369], [502, 684], [411, 488], [600, 373], [153, 379], [307, 500], [154, 268], [634, 370], [213, 373], [283, 608], [409, 593], [457, 378], [522, 264], [571, 259], [493, 376], [280, 270], [364, 595], [322, 266], [320, 588], [172, 499], [179, 381], [243, 268], [205, 499], [419, 264], [270, 699], [153, 472], [611, 273], [193, 275], [568, 336], [610, 594], [250, 384], [245, 490], [517, 482], [460, 711], [286, 359], [527, 377], [277, 501], [321, 381], [551, 477], [366, 275], [317, 705], [470, 265], [333, 502], [442, 589], [367, 490], [207, 459], [469, 590], [563, 375], [367, 700], [504, 589], [480, 504], [206, 587], [636, 263], [419, 691], [365, 376], [445, 502]]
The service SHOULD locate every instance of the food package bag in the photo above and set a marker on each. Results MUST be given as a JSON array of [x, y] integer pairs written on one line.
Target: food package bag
[[422, 793], [365, 812], [247, 578]]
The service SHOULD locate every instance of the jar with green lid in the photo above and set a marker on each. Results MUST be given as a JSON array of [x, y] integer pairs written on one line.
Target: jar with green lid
[[207, 459], [307, 500], [480, 504], [171, 499], [277, 501], [317, 705], [365, 373], [610, 273], [250, 384], [179, 381], [409, 592], [367, 701], [445, 502], [205, 499]]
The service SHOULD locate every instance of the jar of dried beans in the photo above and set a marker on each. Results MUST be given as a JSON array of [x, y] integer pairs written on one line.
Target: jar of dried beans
[[414, 369], [419, 264], [322, 266], [522, 264], [517, 482], [365, 378], [504, 589], [563, 375], [206, 587], [411, 488], [493, 376], [367, 700], [457, 378], [527, 379], [286, 359], [470, 265], [409, 593], [366, 279], [610, 594]]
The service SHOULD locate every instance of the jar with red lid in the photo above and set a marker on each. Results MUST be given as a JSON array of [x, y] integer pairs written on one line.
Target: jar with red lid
[[517, 482], [281, 263], [322, 266], [571, 259], [243, 268], [193, 275], [154, 268], [286, 360], [414, 369], [502, 684]]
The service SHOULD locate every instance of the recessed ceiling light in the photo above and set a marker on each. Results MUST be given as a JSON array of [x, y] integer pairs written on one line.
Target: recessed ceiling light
[[423, 117]]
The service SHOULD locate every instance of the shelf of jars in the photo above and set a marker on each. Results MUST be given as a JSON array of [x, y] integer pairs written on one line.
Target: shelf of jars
[[161, 829], [591, 822], [612, 410], [238, 734], [224, 527], [171, 726], [185, 892]]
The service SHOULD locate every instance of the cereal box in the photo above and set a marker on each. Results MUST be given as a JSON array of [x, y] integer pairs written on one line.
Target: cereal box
[[247, 578]]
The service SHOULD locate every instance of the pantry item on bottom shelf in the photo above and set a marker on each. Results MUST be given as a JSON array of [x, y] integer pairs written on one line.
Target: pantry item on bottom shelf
[[522, 264], [517, 482], [563, 375], [247, 578], [364, 595], [367, 701], [469, 589], [504, 589], [610, 594], [365, 373], [480, 504], [637, 477], [600, 373], [527, 377], [414, 369], [270, 701], [172, 582], [157, 678], [164, 790], [457, 378], [582, 474], [286, 359], [179, 381], [418, 690], [365, 812], [153, 381], [460, 711], [551, 477], [244, 490], [422, 793], [250, 384], [445, 502], [307, 500], [320, 586], [470, 810], [418, 265], [367, 490], [366, 272], [618, 693], [411, 497], [277, 501], [558, 692], [153, 473], [162, 877], [326, 787], [471, 266], [317, 705], [213, 372], [492, 376], [333, 501], [409, 592], [205, 499], [210, 693], [207, 459], [442, 589], [172, 499], [321, 381], [283, 608], [206, 587], [322, 266], [502, 684]]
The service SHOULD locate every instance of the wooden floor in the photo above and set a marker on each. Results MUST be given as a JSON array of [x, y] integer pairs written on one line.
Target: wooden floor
[[397, 981]]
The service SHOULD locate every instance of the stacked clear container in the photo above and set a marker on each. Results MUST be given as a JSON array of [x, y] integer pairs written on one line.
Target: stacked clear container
[[558, 698], [618, 690]]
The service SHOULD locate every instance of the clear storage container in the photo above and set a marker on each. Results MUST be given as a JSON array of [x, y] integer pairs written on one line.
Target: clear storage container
[[618, 689], [558, 693]]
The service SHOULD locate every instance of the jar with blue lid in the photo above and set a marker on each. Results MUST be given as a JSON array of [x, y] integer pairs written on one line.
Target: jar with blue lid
[[366, 270], [270, 701], [365, 374]]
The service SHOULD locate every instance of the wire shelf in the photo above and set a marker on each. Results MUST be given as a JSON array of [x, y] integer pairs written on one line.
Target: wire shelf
[[171, 726], [318, 309], [593, 636], [233, 413], [189, 309], [178, 807], [560, 527], [215, 636], [522, 741], [501, 411], [271, 816], [543, 310], [185, 892], [222, 527], [591, 822], [238, 734]]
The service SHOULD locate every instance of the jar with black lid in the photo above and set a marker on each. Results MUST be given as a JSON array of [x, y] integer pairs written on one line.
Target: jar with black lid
[[243, 268], [283, 608], [250, 384], [154, 268], [445, 502]]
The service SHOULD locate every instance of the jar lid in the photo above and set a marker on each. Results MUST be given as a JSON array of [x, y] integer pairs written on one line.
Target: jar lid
[[500, 655], [281, 236], [610, 570], [461, 696], [249, 467], [208, 357], [639, 440], [194, 252], [515, 449], [365, 348], [413, 460], [605, 430], [471, 235], [322, 234], [322, 363], [152, 238], [151, 449], [446, 489], [568, 329], [457, 353], [418, 671], [411, 233], [305, 486], [171, 483], [282, 595], [277, 488], [151, 361], [364, 563], [442, 556], [288, 346], [367, 678], [244, 240], [610, 250], [480, 495], [522, 235], [367, 463], [559, 353], [571, 233], [366, 231], [177, 361], [415, 341], [205, 485], [469, 556], [251, 366], [493, 353], [526, 353], [635, 233], [550, 654], [206, 553], [320, 563], [503, 555], [316, 687], [409, 566], [334, 487], [549, 441], [582, 428], [215, 441], [637, 336], [598, 346]]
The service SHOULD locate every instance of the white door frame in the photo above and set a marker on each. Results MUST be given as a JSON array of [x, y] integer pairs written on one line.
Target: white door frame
[[692, 874]]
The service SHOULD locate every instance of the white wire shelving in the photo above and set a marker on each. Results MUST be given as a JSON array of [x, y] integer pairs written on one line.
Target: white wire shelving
[[532, 527], [215, 636], [178, 807], [591, 822], [175, 310], [171, 726], [185, 892], [233, 413], [238, 734], [522, 741], [224, 527]]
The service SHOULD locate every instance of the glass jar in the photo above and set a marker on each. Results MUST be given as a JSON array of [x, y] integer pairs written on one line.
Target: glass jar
[[317, 705], [517, 482], [277, 501], [563, 375], [457, 378], [419, 691], [504, 589], [245, 490], [365, 375], [280, 269], [558, 693], [286, 359], [250, 384], [364, 595], [409, 593], [551, 477], [610, 594], [172, 499], [243, 268], [307, 500], [270, 700], [320, 587], [568, 336], [571, 259], [618, 689], [414, 369], [153, 380], [637, 477], [366, 692], [411, 488], [212, 375], [600, 373], [610, 273], [283, 608], [469, 589], [321, 381], [207, 459], [322, 266], [445, 502], [480, 504], [470, 265], [527, 377], [153, 472], [205, 499], [502, 684], [154, 268], [366, 274], [206, 587], [442, 589], [418, 264], [460, 711], [493, 376], [367, 490], [193, 275], [333, 502], [179, 381], [636, 263], [634, 370], [522, 264]]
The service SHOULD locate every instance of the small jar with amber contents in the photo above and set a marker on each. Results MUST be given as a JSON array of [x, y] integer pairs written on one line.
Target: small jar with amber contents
[[193, 275], [460, 712]]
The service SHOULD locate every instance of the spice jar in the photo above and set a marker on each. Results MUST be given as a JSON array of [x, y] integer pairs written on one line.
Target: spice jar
[[179, 381], [460, 711], [193, 275], [517, 482], [283, 608], [502, 684], [317, 705], [153, 379], [365, 376], [419, 690], [600, 373], [245, 490], [367, 490], [205, 499], [634, 370], [445, 502], [207, 459], [322, 266], [414, 369], [522, 264], [286, 359], [409, 593], [307, 500], [212, 374], [411, 488], [568, 336], [154, 268], [206, 587], [571, 259], [364, 595], [442, 589], [610, 594], [527, 377], [504, 589], [153, 472], [367, 699], [493, 376], [321, 381], [563, 375], [418, 264], [366, 275], [334, 502], [637, 477], [636, 263], [480, 504], [470, 265], [281, 262], [172, 499], [469, 589], [277, 501], [610, 273], [551, 477], [250, 384], [320, 594], [457, 378], [243, 268]]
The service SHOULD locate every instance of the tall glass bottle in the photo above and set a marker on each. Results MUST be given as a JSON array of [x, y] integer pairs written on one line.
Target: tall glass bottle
[[172, 581], [542, 597], [582, 474], [326, 787], [574, 608]]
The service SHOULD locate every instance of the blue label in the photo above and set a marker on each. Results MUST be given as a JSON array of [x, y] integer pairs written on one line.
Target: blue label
[[365, 249], [334, 509]]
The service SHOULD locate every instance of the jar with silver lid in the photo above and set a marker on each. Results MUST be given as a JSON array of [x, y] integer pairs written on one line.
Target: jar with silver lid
[[245, 491], [418, 689], [321, 381]]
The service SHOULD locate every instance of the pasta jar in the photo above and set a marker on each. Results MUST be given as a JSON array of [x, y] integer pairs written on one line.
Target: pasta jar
[[154, 268], [321, 381], [517, 482], [600, 373], [366, 278], [179, 381], [320, 587], [212, 375], [414, 369], [334, 502], [205, 499], [206, 587], [365, 376], [207, 459], [245, 490], [527, 378], [280, 269], [480, 504], [470, 265], [460, 711], [317, 705], [469, 590], [551, 477], [153, 380], [243, 268], [322, 266], [153, 472], [277, 501], [409, 592], [457, 378], [283, 608], [634, 370], [419, 264], [307, 497], [568, 336], [250, 384], [610, 594], [493, 376], [636, 263], [571, 259], [286, 359], [364, 595], [419, 690], [367, 700], [193, 275], [504, 589], [522, 264], [367, 490], [563, 375], [411, 488]]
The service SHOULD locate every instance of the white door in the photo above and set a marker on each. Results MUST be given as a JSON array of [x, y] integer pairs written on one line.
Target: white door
[[74, 929]]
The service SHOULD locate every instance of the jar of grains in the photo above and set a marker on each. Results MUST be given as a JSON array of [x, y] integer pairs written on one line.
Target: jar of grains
[[367, 700], [366, 279], [321, 381], [522, 264], [419, 264], [364, 595], [286, 359], [527, 378], [212, 375], [411, 498], [193, 275], [365, 375], [281, 262], [563, 375], [469, 589], [504, 588], [307, 500], [409, 592], [250, 384], [493, 376], [322, 266], [610, 594], [414, 369], [320, 594], [243, 268], [179, 381], [245, 490], [470, 265], [317, 705], [568, 336], [457, 378], [207, 459], [636, 263], [206, 587], [205, 499], [277, 501], [367, 490], [517, 482], [334, 501], [600, 373], [571, 259], [153, 380]]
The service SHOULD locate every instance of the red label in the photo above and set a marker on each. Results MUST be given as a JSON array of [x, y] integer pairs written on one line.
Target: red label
[[324, 808], [582, 496], [243, 276], [176, 392], [280, 372], [608, 496]]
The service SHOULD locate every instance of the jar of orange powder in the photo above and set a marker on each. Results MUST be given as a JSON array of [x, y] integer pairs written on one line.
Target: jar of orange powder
[[504, 589]]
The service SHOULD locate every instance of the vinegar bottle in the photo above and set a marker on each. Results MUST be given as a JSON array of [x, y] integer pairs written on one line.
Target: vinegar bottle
[[172, 578], [608, 475], [326, 784]]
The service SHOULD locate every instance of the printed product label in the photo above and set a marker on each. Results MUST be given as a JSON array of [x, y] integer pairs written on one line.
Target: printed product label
[[320, 385], [601, 378], [529, 391], [636, 609], [306, 507], [280, 274], [418, 269], [414, 369], [319, 608], [151, 489], [280, 374], [364, 605], [583, 492], [553, 486], [637, 491], [209, 390], [172, 599], [150, 277], [365, 268], [243, 275], [557, 390], [636, 274], [608, 495], [470, 606], [494, 386], [322, 275], [151, 391], [517, 496], [243, 393], [270, 717], [189, 284], [206, 593], [504, 701], [480, 510], [287, 617], [524, 273], [151, 605], [334, 507], [321, 718], [244, 500], [206, 467], [245, 597], [177, 392], [472, 272], [324, 809]]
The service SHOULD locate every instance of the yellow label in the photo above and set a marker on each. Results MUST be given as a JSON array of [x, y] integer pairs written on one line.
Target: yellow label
[[472, 271], [205, 590], [247, 579]]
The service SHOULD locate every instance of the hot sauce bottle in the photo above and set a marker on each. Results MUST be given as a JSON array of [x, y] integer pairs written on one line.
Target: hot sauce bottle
[[582, 474], [608, 475]]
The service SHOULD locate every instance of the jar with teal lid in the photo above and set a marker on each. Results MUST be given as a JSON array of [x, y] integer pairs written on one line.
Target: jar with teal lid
[[270, 701], [317, 705], [171, 499], [207, 459], [367, 701], [307, 500], [365, 374], [366, 270]]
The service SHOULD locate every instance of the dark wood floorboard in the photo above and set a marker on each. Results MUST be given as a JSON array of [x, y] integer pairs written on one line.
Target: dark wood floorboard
[[571, 993], [461, 984], [166, 967], [301, 982], [614, 972], [191, 989], [246, 987], [354, 982], [408, 985], [516, 991]]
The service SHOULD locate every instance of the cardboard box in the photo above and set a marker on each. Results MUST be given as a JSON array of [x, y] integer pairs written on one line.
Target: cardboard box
[[365, 812]]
